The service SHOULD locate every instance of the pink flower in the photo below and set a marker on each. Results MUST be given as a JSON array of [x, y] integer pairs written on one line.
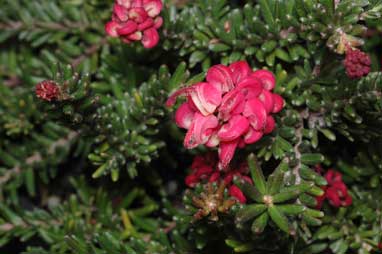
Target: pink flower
[[205, 169], [336, 191], [47, 90], [232, 108], [136, 20]]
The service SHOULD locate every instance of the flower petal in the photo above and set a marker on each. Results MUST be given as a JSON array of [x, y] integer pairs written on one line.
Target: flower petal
[[240, 70], [278, 103], [232, 130], [232, 103], [158, 22], [138, 14], [226, 152], [150, 38], [214, 140], [127, 28], [220, 76], [184, 116], [266, 77], [255, 112], [266, 98], [125, 3], [172, 98], [250, 87], [206, 97], [149, 22], [252, 136], [121, 12], [200, 130], [270, 125], [235, 192], [111, 28], [191, 180], [135, 36], [153, 7]]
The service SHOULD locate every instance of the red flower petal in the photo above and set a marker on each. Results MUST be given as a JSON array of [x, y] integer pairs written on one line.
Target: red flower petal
[[184, 116], [226, 152], [149, 22], [183, 91], [127, 28], [136, 3], [125, 3], [135, 36], [278, 103], [255, 112], [266, 77], [138, 14], [120, 12], [236, 127], [266, 98], [111, 28], [252, 136], [158, 22], [153, 7], [220, 77], [214, 177], [251, 87], [150, 38], [270, 125], [206, 97], [213, 141], [235, 192], [191, 180], [232, 103], [240, 70], [199, 131]]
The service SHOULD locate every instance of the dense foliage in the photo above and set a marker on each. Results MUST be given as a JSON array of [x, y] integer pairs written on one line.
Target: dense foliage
[[92, 160]]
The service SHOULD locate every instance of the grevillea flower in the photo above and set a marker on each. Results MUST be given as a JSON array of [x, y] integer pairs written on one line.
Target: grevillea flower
[[205, 169], [231, 109], [136, 20], [336, 191], [47, 90], [357, 63]]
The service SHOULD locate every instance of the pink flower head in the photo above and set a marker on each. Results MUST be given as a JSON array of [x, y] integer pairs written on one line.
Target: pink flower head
[[205, 169], [357, 63], [136, 20], [232, 108], [336, 191], [47, 90]]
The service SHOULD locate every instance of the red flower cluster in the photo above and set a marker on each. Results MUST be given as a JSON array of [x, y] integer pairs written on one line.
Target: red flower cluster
[[204, 168], [357, 63], [231, 109], [136, 20], [47, 90], [336, 191]]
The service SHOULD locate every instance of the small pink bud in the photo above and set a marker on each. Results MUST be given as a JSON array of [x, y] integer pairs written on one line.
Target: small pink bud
[[111, 28], [240, 70], [266, 77], [153, 7], [232, 130], [184, 116], [128, 28], [220, 77], [150, 38]]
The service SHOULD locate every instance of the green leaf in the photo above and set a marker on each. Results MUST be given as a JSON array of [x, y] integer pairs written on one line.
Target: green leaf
[[260, 223], [285, 196], [312, 158], [291, 209], [278, 218], [249, 212], [257, 174], [177, 77]]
